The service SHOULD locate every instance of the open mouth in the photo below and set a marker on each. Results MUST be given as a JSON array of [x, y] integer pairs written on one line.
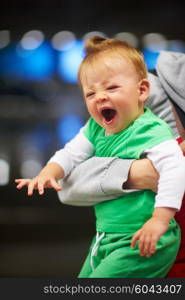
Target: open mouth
[[108, 114]]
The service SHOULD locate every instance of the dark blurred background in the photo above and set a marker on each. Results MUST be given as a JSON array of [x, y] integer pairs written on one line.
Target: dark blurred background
[[41, 108]]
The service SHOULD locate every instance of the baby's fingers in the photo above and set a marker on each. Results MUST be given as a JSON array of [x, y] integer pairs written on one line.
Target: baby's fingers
[[41, 185], [152, 248], [149, 246], [32, 185], [22, 183], [55, 185], [144, 246], [135, 238]]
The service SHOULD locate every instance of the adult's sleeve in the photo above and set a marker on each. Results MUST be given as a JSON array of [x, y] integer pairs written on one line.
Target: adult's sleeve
[[159, 103], [95, 180]]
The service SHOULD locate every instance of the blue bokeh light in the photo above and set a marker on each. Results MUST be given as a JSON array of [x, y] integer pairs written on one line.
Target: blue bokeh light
[[68, 126], [69, 62], [37, 64], [42, 135], [150, 58]]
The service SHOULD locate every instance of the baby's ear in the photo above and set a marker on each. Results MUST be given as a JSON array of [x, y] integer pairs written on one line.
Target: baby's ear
[[144, 89]]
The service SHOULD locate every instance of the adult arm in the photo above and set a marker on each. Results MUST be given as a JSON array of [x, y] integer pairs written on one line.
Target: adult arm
[[99, 179]]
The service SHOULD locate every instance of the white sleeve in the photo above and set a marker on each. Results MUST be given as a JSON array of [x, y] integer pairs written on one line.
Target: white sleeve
[[169, 161], [75, 152]]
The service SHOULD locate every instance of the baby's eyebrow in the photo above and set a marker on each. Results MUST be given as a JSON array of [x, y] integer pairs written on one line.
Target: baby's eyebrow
[[89, 91], [104, 83]]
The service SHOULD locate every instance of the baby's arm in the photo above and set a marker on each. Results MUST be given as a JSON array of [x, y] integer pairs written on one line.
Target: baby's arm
[[170, 163], [47, 178], [151, 231], [60, 165]]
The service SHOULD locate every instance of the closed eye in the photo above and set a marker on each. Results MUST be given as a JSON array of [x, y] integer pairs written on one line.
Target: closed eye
[[89, 94], [112, 87]]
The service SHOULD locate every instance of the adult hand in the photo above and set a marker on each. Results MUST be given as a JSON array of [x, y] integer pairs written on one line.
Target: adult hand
[[142, 176]]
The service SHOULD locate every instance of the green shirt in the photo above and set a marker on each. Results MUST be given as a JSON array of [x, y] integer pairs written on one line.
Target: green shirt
[[129, 212]]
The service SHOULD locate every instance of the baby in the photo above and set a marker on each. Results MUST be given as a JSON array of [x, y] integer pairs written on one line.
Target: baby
[[113, 78]]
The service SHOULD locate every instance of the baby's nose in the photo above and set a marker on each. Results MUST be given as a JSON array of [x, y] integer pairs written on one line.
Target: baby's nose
[[101, 96]]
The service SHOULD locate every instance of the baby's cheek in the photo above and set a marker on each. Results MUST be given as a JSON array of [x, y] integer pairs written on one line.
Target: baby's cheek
[[95, 115]]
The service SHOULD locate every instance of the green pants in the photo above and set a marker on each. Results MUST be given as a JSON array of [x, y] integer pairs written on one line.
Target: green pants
[[111, 256]]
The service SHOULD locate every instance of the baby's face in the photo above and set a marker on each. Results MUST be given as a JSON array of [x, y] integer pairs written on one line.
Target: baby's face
[[113, 94]]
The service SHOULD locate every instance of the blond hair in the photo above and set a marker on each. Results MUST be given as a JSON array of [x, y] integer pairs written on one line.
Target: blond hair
[[97, 47]]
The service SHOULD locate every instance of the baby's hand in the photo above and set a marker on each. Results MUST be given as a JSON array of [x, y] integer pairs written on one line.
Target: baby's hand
[[38, 183], [149, 235]]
